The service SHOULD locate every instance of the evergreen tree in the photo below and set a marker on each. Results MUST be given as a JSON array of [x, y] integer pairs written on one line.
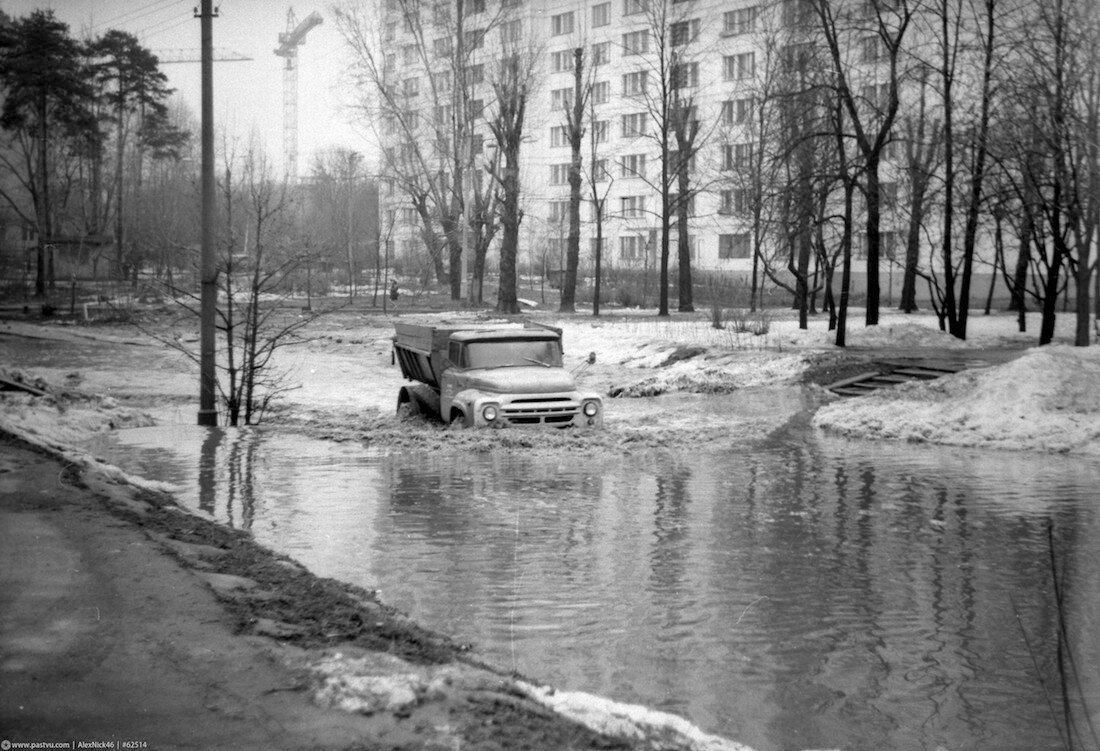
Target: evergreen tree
[[46, 100]]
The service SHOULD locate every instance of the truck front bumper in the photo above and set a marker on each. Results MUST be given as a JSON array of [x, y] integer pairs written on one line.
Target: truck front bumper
[[535, 410]]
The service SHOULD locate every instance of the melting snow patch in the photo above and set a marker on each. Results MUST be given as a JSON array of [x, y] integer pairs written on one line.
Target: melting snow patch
[[1046, 400], [380, 683], [656, 729]]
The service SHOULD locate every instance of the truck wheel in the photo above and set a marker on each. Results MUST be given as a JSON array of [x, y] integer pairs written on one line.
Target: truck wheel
[[409, 408], [458, 421]]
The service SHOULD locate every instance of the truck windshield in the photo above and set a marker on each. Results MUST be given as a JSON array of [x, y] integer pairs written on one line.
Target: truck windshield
[[503, 353]]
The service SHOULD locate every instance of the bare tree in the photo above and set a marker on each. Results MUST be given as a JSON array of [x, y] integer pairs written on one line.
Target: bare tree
[[663, 86], [1052, 152], [256, 268], [511, 86], [871, 110]]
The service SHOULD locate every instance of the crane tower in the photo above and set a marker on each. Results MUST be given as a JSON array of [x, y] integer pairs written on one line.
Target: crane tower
[[288, 48]]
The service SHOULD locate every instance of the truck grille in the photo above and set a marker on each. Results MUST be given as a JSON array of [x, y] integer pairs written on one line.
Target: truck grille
[[559, 410]]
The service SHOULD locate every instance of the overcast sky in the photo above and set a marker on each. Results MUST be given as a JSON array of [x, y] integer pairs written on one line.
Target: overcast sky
[[247, 95]]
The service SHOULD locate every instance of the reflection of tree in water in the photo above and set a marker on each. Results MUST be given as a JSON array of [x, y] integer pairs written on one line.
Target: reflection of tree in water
[[233, 474], [889, 609], [668, 559]]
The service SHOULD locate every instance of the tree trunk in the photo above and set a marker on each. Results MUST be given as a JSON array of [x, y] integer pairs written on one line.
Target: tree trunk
[[682, 246]]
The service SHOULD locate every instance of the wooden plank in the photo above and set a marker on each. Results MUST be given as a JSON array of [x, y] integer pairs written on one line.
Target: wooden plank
[[853, 379], [925, 373], [6, 384]]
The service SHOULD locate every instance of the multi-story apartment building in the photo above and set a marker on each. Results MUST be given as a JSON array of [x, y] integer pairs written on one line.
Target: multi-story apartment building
[[724, 58]]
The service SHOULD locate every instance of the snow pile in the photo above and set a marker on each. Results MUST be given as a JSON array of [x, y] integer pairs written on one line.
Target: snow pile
[[378, 683], [717, 373], [1046, 400], [63, 418], [637, 723], [906, 334]]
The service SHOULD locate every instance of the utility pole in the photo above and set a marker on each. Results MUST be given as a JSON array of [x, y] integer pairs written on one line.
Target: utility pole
[[208, 411]]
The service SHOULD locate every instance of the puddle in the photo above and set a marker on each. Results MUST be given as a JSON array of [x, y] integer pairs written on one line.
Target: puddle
[[809, 593]]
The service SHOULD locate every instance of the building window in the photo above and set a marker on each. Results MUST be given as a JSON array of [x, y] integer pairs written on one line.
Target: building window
[[559, 211], [561, 98], [477, 108], [475, 38], [684, 32], [674, 162], [684, 75], [477, 143], [871, 49], [633, 125], [739, 67], [600, 130], [559, 136], [562, 61], [601, 53], [736, 156], [737, 245], [888, 194], [511, 31], [601, 15], [634, 83], [475, 6], [877, 95], [475, 74], [631, 247], [632, 207], [735, 201], [738, 111], [632, 165], [636, 42], [678, 205], [888, 243], [630, 7], [410, 87], [559, 174], [408, 54], [562, 23], [601, 92], [442, 47], [441, 82], [797, 12], [599, 171], [389, 32], [740, 21]]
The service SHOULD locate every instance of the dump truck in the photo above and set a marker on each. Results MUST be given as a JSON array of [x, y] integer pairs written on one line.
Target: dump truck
[[502, 376]]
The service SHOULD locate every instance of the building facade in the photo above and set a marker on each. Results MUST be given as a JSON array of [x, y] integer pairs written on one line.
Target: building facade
[[740, 67]]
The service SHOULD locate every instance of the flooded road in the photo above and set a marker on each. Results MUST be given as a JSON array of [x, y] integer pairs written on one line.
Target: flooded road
[[808, 593]]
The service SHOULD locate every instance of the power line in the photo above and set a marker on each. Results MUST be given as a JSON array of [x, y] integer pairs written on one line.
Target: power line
[[133, 15], [147, 32]]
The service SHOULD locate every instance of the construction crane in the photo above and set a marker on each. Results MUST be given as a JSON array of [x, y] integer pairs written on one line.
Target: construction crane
[[289, 42]]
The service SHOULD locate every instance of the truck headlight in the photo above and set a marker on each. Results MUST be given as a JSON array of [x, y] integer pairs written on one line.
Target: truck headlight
[[489, 412], [590, 409]]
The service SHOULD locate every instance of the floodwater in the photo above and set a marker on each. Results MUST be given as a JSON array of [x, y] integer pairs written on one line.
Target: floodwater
[[807, 593]]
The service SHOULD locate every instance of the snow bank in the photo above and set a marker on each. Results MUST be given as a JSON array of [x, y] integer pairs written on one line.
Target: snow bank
[[1046, 400], [632, 721]]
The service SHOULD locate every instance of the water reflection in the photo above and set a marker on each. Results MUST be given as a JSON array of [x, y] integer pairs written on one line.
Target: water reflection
[[814, 593]]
